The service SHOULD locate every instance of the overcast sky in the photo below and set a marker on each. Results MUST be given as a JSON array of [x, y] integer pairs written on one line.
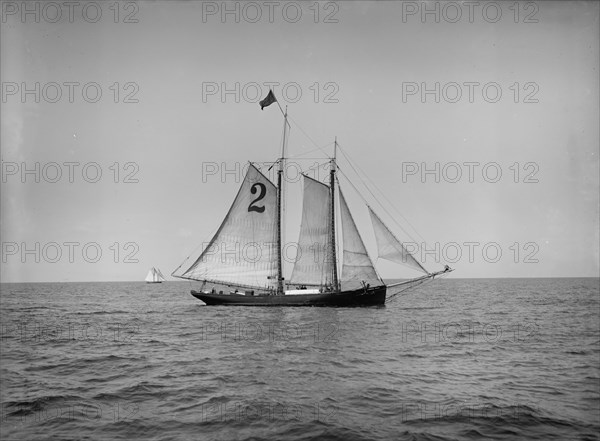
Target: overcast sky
[[517, 94]]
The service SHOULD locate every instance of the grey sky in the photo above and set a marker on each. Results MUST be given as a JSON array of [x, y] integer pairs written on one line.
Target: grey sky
[[169, 60]]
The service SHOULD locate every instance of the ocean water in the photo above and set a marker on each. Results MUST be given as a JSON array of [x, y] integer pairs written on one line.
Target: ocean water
[[455, 359]]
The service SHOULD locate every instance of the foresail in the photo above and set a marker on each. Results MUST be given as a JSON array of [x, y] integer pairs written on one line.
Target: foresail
[[159, 276], [357, 265], [243, 252], [313, 264], [390, 248]]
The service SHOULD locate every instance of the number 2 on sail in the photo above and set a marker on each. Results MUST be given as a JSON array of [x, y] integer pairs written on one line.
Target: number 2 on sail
[[263, 191]]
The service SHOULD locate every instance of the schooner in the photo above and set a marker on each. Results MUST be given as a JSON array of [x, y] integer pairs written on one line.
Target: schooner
[[246, 251], [154, 276]]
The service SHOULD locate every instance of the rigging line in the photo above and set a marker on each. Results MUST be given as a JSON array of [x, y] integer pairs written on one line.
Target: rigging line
[[374, 197], [277, 101], [384, 196], [181, 264], [306, 134], [284, 138], [387, 200], [193, 253], [311, 151], [315, 167], [367, 202], [314, 158], [416, 285], [411, 287]]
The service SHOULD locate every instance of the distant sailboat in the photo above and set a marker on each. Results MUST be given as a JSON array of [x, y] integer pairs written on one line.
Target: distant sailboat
[[154, 276], [246, 251]]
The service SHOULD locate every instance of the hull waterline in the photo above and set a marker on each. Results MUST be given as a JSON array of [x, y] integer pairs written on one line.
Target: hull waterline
[[359, 297]]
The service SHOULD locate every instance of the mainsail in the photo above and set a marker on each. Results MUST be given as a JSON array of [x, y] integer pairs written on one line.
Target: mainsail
[[243, 252], [357, 265], [313, 264], [390, 248]]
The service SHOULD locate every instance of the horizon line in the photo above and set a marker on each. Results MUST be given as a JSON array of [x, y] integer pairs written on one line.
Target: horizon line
[[199, 281]]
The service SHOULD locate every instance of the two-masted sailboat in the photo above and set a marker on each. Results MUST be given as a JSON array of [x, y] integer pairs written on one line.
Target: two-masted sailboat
[[246, 251], [154, 276]]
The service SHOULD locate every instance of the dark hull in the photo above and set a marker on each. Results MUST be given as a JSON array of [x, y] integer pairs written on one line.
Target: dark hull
[[359, 297]]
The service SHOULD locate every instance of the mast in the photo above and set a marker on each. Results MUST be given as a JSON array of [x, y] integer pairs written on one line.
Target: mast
[[332, 216], [280, 290]]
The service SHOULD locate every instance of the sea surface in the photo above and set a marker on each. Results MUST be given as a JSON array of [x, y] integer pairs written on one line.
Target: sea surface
[[456, 359]]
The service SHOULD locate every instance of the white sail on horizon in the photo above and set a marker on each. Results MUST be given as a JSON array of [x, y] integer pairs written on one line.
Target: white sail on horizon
[[160, 275], [154, 275]]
